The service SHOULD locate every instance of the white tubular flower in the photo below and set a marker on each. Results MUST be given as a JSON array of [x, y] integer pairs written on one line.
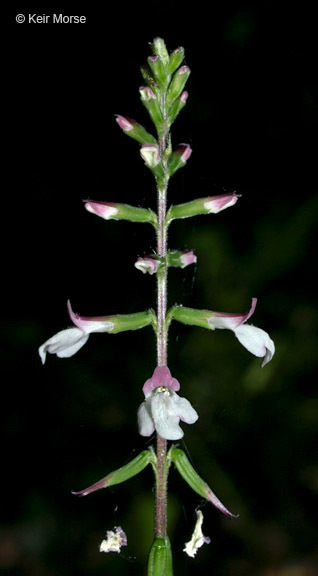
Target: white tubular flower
[[197, 539], [254, 339], [163, 409], [67, 342]]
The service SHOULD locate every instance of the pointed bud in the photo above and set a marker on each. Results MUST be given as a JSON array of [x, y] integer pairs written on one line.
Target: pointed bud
[[114, 211], [124, 473], [209, 205], [134, 130], [178, 158], [178, 83], [189, 474], [178, 259], [151, 103], [159, 49]]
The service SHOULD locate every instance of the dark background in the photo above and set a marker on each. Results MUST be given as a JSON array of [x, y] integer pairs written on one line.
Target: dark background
[[251, 119]]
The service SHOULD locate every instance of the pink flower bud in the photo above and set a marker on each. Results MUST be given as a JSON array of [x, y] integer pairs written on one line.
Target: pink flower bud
[[148, 264], [215, 204], [125, 123], [188, 257], [147, 93], [184, 151], [150, 154], [106, 210], [184, 96]]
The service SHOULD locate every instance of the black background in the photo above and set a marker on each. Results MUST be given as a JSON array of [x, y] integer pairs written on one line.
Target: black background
[[251, 119]]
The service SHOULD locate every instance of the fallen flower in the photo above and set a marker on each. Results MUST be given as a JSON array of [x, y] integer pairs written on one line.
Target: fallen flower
[[114, 540], [197, 539]]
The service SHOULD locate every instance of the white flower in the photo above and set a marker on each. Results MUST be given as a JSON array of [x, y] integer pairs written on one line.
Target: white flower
[[197, 539], [254, 339], [67, 342], [163, 409]]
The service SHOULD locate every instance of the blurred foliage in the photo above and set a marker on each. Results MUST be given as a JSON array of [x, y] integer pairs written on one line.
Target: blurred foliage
[[251, 119]]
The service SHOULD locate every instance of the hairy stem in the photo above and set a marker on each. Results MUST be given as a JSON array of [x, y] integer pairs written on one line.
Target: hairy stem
[[162, 279]]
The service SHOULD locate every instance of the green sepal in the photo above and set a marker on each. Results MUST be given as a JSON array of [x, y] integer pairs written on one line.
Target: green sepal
[[149, 79], [139, 133], [124, 473], [176, 161], [188, 473], [135, 214], [136, 321], [177, 83], [188, 209], [160, 558], [175, 60], [158, 70], [151, 102], [191, 316], [176, 107]]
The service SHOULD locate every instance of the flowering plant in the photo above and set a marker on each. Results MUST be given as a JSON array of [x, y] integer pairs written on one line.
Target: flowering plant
[[164, 96]]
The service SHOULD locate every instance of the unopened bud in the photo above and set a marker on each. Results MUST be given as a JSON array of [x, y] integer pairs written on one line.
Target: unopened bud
[[209, 205], [179, 259], [151, 103], [134, 130], [175, 60], [176, 106], [177, 83], [160, 558], [178, 158], [115, 211], [148, 264]]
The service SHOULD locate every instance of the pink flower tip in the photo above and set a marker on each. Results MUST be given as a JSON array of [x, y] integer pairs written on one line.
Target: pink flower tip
[[188, 257], [106, 210], [125, 123], [161, 377], [184, 96], [185, 151]]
